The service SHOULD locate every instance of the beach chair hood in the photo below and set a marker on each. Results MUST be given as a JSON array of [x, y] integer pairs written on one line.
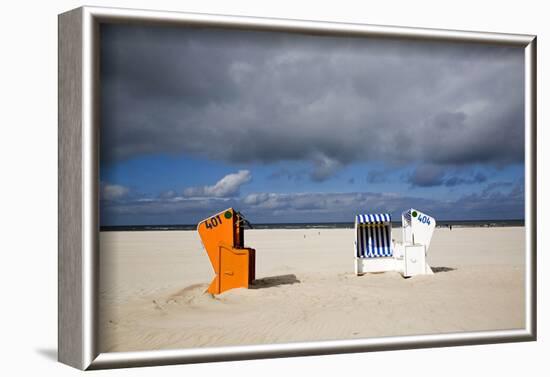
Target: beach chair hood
[[418, 227], [373, 235]]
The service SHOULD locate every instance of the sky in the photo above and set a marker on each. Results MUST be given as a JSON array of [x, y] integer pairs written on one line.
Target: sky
[[302, 128]]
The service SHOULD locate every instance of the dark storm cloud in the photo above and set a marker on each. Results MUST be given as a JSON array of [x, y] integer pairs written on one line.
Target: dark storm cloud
[[262, 97], [427, 176], [290, 175], [456, 180], [377, 176], [435, 175]]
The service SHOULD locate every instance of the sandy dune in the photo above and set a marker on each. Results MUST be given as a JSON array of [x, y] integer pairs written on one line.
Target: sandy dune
[[152, 284]]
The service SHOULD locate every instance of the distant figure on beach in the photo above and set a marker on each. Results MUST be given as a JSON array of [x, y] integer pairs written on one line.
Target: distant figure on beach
[[450, 227]]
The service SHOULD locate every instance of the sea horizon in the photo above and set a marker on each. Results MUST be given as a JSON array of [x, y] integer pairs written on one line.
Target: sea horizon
[[311, 225]]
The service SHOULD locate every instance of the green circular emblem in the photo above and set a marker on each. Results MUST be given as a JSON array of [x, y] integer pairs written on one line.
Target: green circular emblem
[[414, 213], [227, 214]]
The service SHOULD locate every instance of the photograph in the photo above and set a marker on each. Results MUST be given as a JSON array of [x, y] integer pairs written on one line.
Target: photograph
[[261, 187], [275, 188]]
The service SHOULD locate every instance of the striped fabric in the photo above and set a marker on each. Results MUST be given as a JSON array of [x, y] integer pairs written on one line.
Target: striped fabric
[[373, 236], [407, 216], [376, 218]]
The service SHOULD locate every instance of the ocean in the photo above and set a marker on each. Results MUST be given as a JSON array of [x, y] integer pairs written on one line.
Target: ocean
[[335, 225]]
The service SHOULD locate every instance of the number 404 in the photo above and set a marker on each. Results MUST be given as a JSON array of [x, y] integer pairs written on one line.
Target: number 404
[[424, 219]]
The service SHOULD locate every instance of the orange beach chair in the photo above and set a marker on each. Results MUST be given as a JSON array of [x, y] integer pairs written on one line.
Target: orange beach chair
[[222, 236]]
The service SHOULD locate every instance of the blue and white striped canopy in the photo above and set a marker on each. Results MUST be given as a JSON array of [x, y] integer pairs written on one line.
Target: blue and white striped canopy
[[373, 240], [376, 218]]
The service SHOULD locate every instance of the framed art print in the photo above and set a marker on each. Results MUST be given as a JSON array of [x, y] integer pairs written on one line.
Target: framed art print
[[236, 188]]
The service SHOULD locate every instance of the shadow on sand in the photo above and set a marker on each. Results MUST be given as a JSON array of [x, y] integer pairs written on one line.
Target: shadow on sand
[[274, 281], [442, 269], [48, 353]]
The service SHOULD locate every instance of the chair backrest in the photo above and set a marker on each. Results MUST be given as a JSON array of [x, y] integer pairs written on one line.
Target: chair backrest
[[417, 228], [373, 235]]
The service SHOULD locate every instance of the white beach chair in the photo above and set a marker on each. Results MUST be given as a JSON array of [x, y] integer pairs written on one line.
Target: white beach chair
[[375, 250], [373, 243], [417, 229]]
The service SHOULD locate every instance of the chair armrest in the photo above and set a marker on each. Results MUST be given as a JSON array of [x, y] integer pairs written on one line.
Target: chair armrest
[[232, 249]]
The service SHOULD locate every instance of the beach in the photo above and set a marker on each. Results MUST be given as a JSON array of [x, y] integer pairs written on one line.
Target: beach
[[152, 287]]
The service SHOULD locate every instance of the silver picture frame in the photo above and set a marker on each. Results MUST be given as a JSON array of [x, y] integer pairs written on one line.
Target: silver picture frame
[[79, 187]]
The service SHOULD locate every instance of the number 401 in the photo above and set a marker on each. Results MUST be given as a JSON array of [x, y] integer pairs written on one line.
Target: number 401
[[213, 222]]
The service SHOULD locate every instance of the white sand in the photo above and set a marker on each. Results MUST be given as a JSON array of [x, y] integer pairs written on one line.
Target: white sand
[[152, 284]]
